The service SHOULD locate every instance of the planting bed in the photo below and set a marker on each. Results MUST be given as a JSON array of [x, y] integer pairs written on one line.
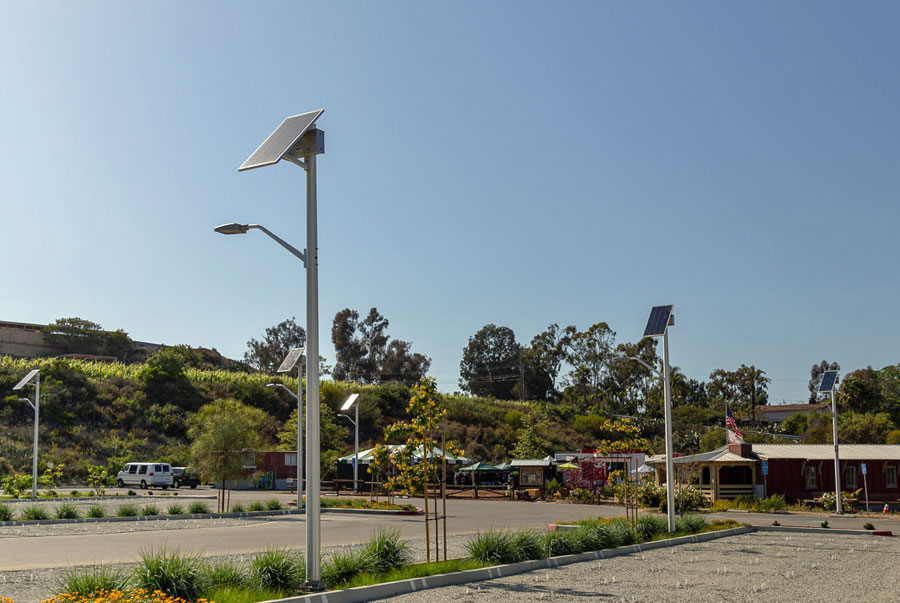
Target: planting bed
[[761, 566]]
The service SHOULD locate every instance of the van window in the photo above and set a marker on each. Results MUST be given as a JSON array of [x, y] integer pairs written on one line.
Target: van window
[[157, 468], [132, 469], [166, 468], [143, 469]]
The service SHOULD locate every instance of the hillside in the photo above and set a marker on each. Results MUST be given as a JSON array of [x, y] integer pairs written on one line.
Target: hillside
[[109, 413]]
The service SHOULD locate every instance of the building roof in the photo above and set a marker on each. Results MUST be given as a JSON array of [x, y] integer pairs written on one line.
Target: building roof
[[824, 452], [719, 455], [530, 463], [794, 408], [366, 456]]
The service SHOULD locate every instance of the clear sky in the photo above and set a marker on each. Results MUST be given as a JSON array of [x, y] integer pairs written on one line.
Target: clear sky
[[520, 163]]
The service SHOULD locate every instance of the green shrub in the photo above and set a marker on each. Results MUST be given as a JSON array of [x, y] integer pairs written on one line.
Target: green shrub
[[74, 493], [279, 569], [622, 532], [65, 511], [127, 511], [175, 509], [343, 567], [689, 524], [150, 510], [90, 580], [868, 526], [561, 542], [174, 574], [6, 512], [829, 501], [824, 524], [492, 547], [257, 506], [720, 505], [198, 508], [274, 505], [528, 545], [221, 573], [237, 508], [131, 493], [96, 511], [34, 513], [772, 504], [649, 526], [650, 495], [385, 551]]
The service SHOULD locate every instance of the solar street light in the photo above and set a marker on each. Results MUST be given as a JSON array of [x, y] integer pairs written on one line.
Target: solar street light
[[235, 228], [347, 404], [289, 362], [33, 377], [298, 141], [658, 323], [829, 385]]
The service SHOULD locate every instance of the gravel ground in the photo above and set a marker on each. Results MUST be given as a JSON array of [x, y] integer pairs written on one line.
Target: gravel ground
[[761, 566]]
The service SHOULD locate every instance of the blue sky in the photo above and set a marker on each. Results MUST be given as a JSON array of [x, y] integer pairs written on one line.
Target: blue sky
[[519, 163]]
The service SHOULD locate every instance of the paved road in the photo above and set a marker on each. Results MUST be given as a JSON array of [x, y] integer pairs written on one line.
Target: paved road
[[253, 535]]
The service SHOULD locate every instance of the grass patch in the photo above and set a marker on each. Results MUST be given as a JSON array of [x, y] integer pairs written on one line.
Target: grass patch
[[222, 574], [278, 569], [34, 513], [237, 508], [198, 508], [150, 510], [274, 505], [96, 511], [6, 512], [363, 503], [386, 551], [177, 575], [175, 509], [127, 511], [65, 511], [236, 594], [492, 548], [419, 570], [93, 579], [257, 506]]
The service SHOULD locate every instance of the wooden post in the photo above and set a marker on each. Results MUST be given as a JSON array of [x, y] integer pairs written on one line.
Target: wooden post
[[444, 491], [425, 490]]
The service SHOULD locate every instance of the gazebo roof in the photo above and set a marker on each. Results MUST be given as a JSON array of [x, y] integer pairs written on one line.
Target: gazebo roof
[[719, 455], [480, 466]]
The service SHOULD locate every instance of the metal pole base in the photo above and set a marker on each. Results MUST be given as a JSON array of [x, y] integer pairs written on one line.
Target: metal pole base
[[314, 586]]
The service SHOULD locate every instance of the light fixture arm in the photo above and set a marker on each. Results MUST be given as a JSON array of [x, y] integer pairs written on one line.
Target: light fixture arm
[[643, 363], [349, 418], [296, 252], [293, 394]]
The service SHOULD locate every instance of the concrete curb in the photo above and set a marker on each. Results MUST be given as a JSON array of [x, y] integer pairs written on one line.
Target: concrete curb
[[402, 587], [40, 522], [823, 531]]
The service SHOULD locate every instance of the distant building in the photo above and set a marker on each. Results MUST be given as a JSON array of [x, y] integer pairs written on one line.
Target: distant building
[[776, 413], [26, 340]]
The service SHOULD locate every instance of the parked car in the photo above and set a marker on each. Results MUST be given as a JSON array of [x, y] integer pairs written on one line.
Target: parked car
[[183, 476], [145, 475]]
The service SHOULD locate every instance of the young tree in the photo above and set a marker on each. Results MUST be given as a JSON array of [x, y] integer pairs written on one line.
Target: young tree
[[490, 363], [220, 432], [267, 355]]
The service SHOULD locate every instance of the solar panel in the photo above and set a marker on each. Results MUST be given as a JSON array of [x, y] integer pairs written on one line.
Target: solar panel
[[26, 380], [290, 360], [827, 383], [658, 321], [281, 140], [349, 402]]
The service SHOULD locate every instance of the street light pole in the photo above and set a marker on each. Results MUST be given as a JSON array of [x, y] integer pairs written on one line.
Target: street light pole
[[35, 376], [355, 422], [670, 462], [839, 509]]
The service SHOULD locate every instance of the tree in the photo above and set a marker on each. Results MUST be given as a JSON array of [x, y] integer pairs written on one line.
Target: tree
[[591, 350], [742, 389], [366, 354], [220, 432], [80, 336], [267, 355], [165, 378], [545, 356], [490, 363], [753, 384], [331, 435], [815, 376]]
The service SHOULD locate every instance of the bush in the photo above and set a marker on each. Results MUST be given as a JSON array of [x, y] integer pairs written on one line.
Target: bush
[[649, 526], [257, 506], [237, 508], [868, 526], [650, 495], [528, 545], [720, 505], [175, 509], [198, 508], [274, 505], [150, 510], [127, 511], [278, 568], [622, 532], [223, 573], [6, 512], [34, 513], [689, 524], [386, 551], [343, 567], [96, 511], [91, 580], [686, 499], [176, 575], [772, 504], [66, 512], [492, 547], [829, 501], [561, 542]]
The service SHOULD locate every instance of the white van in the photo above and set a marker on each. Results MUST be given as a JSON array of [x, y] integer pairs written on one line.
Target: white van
[[145, 475]]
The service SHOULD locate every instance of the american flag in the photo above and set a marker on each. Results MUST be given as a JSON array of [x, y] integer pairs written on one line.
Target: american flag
[[731, 424]]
